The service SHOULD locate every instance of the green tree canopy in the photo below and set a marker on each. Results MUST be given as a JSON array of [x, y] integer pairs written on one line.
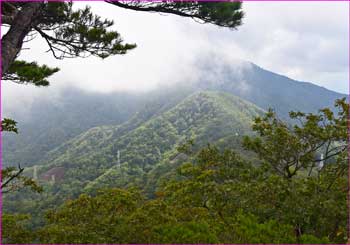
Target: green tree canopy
[[314, 138], [216, 196], [224, 14]]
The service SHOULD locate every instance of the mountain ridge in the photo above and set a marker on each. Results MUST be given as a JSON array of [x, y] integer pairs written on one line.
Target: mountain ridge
[[204, 116], [267, 89], [50, 126]]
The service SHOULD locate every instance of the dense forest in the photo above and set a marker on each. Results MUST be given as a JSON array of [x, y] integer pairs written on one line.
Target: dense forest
[[263, 184], [238, 155]]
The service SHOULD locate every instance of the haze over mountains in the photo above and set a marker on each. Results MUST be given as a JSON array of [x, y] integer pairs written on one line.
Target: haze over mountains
[[50, 122]]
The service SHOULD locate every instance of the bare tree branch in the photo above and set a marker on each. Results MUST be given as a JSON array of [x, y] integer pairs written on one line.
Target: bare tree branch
[[12, 177]]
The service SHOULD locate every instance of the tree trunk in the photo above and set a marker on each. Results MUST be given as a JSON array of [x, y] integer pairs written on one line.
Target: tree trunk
[[12, 41]]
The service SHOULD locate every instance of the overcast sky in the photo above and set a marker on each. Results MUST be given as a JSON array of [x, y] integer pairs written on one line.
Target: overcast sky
[[306, 41]]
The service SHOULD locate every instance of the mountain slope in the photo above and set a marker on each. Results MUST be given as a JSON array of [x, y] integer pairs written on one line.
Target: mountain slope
[[50, 123], [92, 157], [264, 88]]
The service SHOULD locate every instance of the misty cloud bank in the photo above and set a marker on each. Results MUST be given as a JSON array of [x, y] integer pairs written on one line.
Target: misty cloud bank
[[282, 37]]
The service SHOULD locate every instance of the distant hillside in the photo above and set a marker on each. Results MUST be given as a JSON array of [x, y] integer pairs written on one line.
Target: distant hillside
[[92, 157], [49, 123], [265, 88]]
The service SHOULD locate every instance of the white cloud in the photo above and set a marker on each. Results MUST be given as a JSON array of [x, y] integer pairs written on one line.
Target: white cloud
[[307, 41]]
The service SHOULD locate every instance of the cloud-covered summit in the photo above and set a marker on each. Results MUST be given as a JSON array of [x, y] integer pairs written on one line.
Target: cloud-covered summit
[[306, 41]]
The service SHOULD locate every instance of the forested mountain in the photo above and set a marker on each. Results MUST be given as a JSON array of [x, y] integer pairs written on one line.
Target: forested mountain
[[123, 155], [49, 123], [140, 152]]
